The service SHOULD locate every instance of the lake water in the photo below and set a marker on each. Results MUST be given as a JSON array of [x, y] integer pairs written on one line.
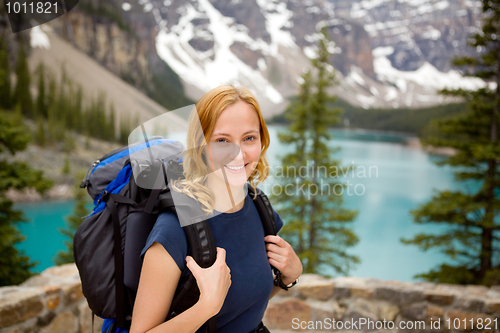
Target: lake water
[[401, 178]]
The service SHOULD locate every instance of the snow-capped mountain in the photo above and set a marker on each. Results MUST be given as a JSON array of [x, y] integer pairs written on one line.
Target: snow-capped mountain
[[388, 53]]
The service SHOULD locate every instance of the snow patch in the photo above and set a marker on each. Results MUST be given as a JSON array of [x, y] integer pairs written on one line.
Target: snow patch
[[426, 76], [311, 52], [197, 68], [382, 51], [366, 101], [431, 33], [126, 6], [277, 16], [38, 38], [355, 77], [392, 93], [262, 64]]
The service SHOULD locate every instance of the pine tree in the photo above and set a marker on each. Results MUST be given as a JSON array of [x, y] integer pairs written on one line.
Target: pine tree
[[72, 222], [311, 200], [22, 93], [471, 219], [14, 264], [40, 136], [5, 84], [78, 111], [51, 98], [41, 100], [110, 132], [125, 130]]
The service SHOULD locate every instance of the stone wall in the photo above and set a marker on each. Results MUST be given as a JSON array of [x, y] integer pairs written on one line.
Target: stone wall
[[53, 302], [316, 301]]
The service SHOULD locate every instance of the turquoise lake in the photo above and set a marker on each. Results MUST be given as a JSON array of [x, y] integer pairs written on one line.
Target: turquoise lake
[[396, 180]]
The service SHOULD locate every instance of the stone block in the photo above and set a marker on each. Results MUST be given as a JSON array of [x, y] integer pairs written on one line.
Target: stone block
[[65, 322], [471, 303], [20, 306], [341, 292], [46, 319], [433, 312], [476, 290], [322, 290], [36, 281], [66, 272], [361, 292], [360, 308], [51, 290], [439, 297], [53, 302], [72, 293], [417, 311], [279, 315], [463, 315], [325, 309], [493, 306], [397, 295], [387, 311]]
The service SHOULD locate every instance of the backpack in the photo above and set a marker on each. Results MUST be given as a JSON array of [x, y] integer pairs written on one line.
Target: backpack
[[108, 243]]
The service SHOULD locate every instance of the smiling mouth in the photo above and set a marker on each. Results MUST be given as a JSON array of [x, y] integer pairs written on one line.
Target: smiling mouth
[[236, 168]]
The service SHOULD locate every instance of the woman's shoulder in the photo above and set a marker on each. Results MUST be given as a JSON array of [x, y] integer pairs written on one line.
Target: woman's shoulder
[[168, 232], [168, 227]]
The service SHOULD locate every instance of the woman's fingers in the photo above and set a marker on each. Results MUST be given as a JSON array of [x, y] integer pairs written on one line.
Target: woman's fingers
[[193, 266], [277, 249], [282, 256], [276, 240], [276, 256], [221, 255], [213, 281]]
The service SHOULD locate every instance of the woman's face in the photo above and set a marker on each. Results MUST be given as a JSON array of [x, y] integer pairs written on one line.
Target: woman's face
[[235, 145]]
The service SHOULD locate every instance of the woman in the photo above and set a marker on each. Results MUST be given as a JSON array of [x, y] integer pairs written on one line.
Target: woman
[[231, 139]]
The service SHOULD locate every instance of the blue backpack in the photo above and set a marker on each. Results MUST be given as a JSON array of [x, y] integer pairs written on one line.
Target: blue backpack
[[108, 243]]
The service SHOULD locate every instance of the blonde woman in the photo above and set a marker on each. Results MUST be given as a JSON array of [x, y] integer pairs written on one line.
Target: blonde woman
[[238, 286]]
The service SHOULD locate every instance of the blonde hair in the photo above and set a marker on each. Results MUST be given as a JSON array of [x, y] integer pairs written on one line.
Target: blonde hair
[[208, 110]]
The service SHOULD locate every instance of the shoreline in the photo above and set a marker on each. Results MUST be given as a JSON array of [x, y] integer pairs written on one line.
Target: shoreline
[[56, 192], [65, 191], [415, 143]]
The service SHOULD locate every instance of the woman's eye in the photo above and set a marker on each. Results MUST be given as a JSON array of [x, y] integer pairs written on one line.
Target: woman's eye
[[250, 138], [221, 140]]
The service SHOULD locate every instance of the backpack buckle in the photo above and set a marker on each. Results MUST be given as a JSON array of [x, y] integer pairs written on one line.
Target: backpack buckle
[[104, 196]]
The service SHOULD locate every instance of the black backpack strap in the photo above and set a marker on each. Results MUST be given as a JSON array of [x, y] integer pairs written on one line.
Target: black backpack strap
[[266, 214], [109, 198], [204, 251], [265, 210]]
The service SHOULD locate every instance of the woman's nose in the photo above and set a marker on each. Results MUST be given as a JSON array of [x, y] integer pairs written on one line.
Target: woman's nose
[[236, 153]]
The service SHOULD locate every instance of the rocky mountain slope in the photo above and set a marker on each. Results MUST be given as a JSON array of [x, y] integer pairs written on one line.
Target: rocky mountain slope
[[388, 53]]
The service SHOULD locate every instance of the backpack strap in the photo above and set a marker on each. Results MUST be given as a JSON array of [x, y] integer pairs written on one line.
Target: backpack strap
[[265, 210], [266, 214], [111, 199], [204, 252]]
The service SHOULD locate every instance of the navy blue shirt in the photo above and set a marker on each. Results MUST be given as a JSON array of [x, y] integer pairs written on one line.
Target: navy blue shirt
[[241, 234]]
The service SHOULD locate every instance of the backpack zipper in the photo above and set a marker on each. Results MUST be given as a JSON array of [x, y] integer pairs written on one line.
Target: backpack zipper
[[85, 181]]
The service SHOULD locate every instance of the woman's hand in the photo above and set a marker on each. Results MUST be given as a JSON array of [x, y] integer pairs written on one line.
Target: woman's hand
[[213, 282], [282, 256]]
